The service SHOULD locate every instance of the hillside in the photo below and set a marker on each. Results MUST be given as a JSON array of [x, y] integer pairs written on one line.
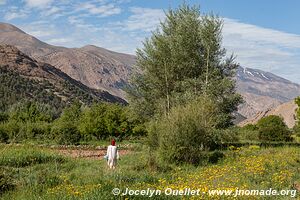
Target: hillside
[[263, 91], [24, 78], [285, 110], [93, 66], [106, 70]]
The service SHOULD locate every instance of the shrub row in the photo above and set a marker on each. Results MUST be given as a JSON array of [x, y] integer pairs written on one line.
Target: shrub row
[[32, 121]]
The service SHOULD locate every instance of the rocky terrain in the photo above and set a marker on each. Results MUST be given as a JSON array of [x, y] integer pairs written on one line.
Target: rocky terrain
[[106, 70], [24, 78], [93, 66], [263, 91], [285, 110]]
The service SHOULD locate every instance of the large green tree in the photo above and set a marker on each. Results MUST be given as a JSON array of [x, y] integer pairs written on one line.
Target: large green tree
[[182, 60]]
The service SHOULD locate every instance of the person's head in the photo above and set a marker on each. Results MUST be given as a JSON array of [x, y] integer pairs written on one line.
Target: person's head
[[113, 142]]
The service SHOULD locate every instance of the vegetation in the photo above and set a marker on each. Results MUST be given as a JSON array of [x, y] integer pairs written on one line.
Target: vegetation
[[181, 61], [15, 88], [273, 128], [36, 173], [102, 121], [6, 181], [28, 120], [182, 105], [187, 132], [297, 125], [186, 90], [242, 168], [248, 133]]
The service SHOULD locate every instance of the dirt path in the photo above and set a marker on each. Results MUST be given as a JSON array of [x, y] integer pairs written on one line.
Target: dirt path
[[87, 153]]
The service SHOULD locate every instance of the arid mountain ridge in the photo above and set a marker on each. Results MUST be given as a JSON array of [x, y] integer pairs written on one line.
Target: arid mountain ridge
[[24, 78], [286, 111], [95, 67], [103, 69], [263, 91]]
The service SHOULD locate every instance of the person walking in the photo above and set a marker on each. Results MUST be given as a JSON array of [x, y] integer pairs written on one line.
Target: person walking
[[112, 155]]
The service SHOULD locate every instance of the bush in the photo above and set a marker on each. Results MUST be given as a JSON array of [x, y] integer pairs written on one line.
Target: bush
[[3, 117], [12, 129], [215, 157], [3, 135], [273, 128], [6, 181], [250, 127], [29, 111], [103, 120], [139, 130], [186, 134], [296, 130], [65, 133], [248, 132], [38, 130]]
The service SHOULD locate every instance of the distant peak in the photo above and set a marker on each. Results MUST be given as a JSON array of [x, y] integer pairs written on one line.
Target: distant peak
[[90, 46], [5, 27]]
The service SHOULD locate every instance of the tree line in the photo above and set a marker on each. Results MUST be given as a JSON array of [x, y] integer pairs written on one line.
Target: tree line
[[30, 120]]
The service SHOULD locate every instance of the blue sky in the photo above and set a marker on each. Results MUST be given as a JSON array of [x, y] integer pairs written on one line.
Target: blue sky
[[263, 34]]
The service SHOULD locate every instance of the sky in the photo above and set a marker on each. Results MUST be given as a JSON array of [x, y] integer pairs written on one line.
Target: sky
[[262, 34]]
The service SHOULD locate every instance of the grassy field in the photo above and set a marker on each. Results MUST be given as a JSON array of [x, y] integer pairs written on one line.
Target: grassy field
[[29, 172]]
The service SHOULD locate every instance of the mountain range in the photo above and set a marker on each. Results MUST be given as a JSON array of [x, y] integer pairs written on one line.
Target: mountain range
[[263, 91], [93, 66], [25, 78], [105, 70]]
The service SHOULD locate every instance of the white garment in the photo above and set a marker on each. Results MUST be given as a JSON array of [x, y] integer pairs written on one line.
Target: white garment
[[112, 156]]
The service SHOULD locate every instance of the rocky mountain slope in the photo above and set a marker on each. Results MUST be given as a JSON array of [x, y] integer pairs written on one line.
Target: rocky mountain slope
[[286, 111], [102, 69], [263, 91], [24, 78], [93, 66]]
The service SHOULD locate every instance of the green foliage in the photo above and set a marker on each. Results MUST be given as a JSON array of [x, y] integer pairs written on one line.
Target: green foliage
[[250, 127], [3, 117], [28, 111], [71, 113], [37, 130], [215, 157], [182, 60], [34, 121], [12, 129], [273, 128], [93, 121], [27, 120], [297, 125], [15, 88], [26, 156], [104, 119], [187, 133], [65, 133], [76, 178], [64, 129], [3, 135], [248, 133], [139, 130], [6, 181]]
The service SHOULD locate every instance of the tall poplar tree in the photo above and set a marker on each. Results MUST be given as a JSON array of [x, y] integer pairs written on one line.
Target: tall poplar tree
[[182, 60]]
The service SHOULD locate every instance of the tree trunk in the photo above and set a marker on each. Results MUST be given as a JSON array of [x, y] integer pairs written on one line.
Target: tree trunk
[[167, 91]]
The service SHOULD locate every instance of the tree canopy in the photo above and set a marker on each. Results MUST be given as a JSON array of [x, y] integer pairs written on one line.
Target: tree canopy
[[182, 60]]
